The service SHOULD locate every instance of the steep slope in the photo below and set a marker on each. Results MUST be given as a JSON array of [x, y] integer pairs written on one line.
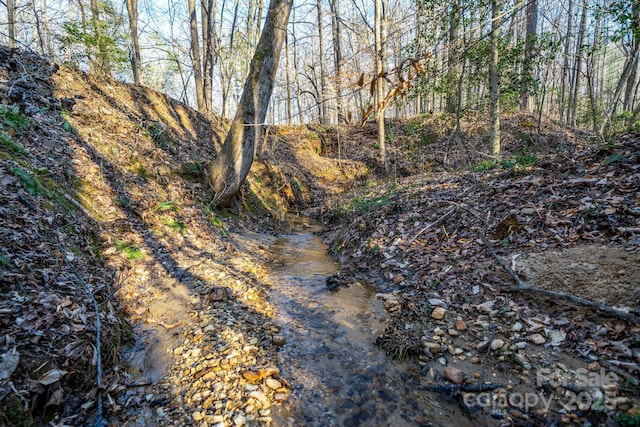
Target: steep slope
[[103, 204]]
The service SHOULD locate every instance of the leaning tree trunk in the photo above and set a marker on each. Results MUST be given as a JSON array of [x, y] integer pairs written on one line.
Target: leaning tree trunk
[[229, 170]]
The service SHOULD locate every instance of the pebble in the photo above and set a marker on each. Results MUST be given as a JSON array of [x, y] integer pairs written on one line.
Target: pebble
[[593, 366], [197, 416], [521, 345], [461, 326], [536, 339], [273, 384], [454, 375], [438, 313], [452, 332], [517, 327], [281, 397], [239, 419], [279, 340], [497, 344], [475, 359]]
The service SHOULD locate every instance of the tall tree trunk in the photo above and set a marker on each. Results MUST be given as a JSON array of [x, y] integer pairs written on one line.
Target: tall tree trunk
[[195, 55], [11, 18], [337, 54], [453, 60], [565, 64], [287, 77], [494, 88], [100, 64], [531, 14], [380, 42], [323, 72], [575, 85], [208, 18], [136, 65], [229, 170]]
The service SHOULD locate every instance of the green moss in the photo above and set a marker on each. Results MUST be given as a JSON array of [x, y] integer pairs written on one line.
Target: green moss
[[133, 252]]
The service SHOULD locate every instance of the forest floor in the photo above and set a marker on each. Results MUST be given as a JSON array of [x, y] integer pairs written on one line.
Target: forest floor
[[103, 210]]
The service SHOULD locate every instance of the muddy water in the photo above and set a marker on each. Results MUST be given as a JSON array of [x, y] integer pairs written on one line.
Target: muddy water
[[339, 376]]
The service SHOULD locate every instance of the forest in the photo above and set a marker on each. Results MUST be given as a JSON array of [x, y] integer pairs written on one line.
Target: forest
[[323, 213]]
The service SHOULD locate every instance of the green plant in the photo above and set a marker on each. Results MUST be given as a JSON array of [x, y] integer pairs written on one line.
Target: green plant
[[123, 201], [485, 165], [176, 225], [12, 118], [132, 252], [11, 145], [168, 205], [6, 262], [364, 204], [29, 181], [627, 420]]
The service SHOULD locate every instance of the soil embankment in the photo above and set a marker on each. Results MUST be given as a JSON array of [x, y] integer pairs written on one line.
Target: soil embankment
[[104, 216]]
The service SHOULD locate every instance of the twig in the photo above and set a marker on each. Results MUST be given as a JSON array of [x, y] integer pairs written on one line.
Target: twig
[[467, 388], [433, 224], [558, 296]]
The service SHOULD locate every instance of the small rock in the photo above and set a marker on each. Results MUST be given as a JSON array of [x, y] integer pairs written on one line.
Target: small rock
[[281, 397], [239, 419], [461, 326], [536, 339], [437, 302], [279, 340], [398, 278], [260, 374], [452, 332], [273, 384], [593, 367], [517, 327], [197, 416], [438, 313], [521, 345], [497, 344], [454, 375], [475, 359]]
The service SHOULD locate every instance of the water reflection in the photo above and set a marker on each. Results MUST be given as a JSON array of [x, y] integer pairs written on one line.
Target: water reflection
[[340, 377]]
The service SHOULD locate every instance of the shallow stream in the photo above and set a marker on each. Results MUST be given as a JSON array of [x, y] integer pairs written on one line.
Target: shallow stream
[[339, 376]]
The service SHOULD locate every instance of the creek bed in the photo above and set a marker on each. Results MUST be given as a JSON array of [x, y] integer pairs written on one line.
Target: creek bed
[[339, 376]]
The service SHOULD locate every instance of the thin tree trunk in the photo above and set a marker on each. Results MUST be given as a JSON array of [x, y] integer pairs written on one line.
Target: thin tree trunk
[[136, 65], [454, 22], [287, 77], [494, 92], [337, 54], [380, 30], [575, 87], [208, 15], [11, 18], [323, 72], [531, 13], [229, 170], [195, 55], [100, 62], [565, 65]]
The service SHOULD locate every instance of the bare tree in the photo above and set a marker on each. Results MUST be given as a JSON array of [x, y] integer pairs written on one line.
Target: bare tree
[[531, 16], [195, 55], [494, 88], [380, 44], [229, 170], [136, 65]]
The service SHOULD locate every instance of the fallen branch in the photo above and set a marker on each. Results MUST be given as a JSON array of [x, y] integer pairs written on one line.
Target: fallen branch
[[558, 296], [433, 224], [467, 388]]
